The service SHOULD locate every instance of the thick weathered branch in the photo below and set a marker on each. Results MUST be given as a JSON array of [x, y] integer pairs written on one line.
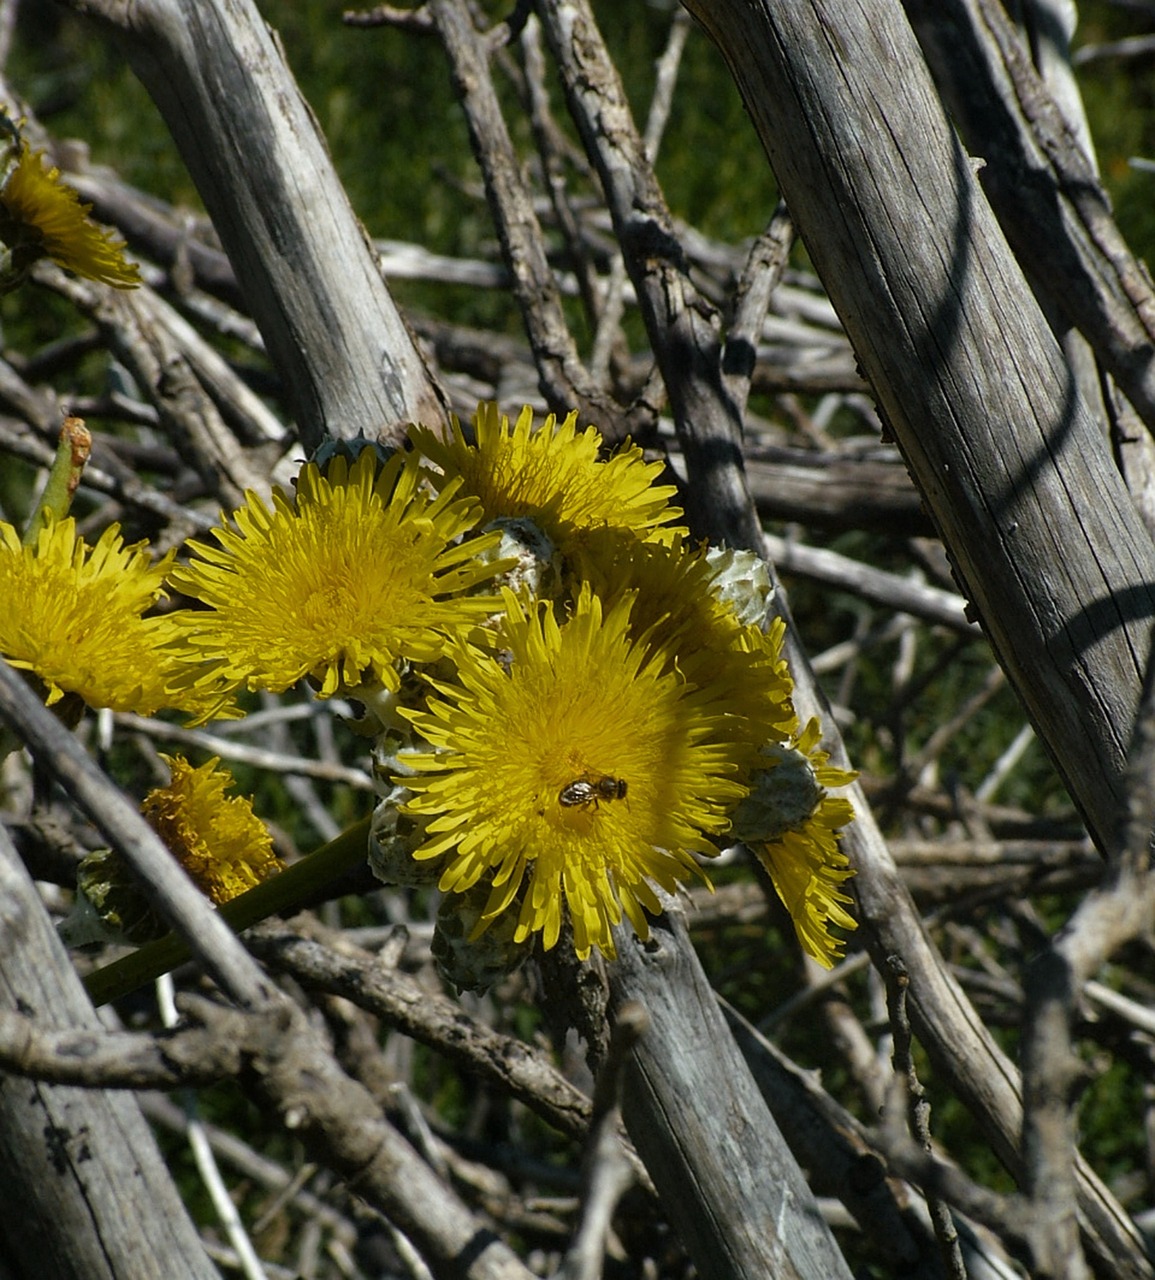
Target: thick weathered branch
[[1042, 186], [303, 261], [69, 1157], [702, 1127], [974, 388], [835, 1149], [1042, 532]]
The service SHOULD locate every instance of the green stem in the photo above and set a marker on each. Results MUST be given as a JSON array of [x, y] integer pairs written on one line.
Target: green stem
[[282, 895], [72, 452]]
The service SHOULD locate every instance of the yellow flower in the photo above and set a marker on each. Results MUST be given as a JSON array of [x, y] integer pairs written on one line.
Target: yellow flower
[[222, 844], [793, 826], [577, 767], [678, 604], [73, 615], [553, 476], [225, 848], [40, 216], [360, 572]]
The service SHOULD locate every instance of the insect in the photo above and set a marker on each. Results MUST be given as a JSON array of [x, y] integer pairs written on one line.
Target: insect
[[591, 788]]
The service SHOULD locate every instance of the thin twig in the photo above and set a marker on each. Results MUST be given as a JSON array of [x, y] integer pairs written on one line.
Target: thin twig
[[667, 78], [209, 1170], [209, 938], [918, 1109], [607, 1172], [760, 277]]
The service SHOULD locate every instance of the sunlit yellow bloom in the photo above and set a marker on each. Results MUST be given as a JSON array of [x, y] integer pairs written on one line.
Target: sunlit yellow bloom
[[578, 768], [793, 825], [552, 475], [72, 614], [222, 844], [41, 216], [735, 663], [357, 573]]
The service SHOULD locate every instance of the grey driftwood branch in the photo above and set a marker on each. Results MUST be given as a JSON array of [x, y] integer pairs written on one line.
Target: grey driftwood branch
[[702, 1127], [304, 263], [64, 1151], [972, 384], [1042, 186], [683, 328], [980, 401]]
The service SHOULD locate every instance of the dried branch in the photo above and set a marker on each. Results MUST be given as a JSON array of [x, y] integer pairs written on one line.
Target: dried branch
[[702, 1128], [836, 1150], [1043, 186], [683, 329], [303, 261], [760, 277], [342, 1126], [565, 382], [126, 1060], [154, 344], [207, 935], [63, 1152], [434, 1020], [161, 1110], [941, 375], [905, 594]]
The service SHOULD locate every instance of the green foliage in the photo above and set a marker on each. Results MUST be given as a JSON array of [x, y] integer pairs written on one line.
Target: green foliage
[[1120, 101]]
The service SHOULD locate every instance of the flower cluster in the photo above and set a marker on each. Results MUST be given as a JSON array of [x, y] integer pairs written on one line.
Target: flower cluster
[[594, 742], [575, 706]]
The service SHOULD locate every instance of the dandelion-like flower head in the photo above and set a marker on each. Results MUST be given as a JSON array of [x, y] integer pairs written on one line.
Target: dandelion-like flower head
[[219, 841], [361, 571], [222, 844], [792, 824], [73, 615], [553, 476], [579, 768], [699, 633], [41, 216]]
